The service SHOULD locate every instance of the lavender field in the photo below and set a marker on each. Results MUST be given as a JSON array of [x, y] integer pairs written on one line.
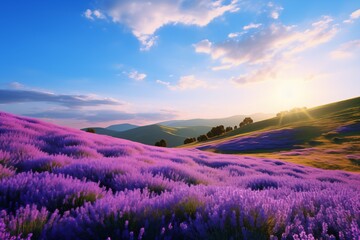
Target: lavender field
[[61, 183]]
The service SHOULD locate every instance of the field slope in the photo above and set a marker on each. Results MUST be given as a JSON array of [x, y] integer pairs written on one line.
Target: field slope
[[327, 136], [61, 183]]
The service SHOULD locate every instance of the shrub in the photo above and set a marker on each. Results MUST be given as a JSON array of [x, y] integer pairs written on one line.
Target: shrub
[[228, 129], [202, 138], [161, 143], [189, 140], [210, 135], [246, 121], [90, 130], [216, 131]]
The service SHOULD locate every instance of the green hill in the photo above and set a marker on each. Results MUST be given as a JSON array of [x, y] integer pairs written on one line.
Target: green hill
[[150, 134], [327, 136], [228, 121], [102, 131], [122, 127]]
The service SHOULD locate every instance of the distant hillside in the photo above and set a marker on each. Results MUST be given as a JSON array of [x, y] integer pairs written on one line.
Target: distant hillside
[[326, 136], [121, 127], [229, 121], [103, 131], [174, 132], [150, 134]]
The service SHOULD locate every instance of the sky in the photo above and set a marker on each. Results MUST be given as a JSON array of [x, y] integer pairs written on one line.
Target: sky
[[101, 62]]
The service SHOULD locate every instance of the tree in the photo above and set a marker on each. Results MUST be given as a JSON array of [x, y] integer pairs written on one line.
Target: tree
[[235, 127], [189, 140], [246, 121], [161, 143], [228, 129], [202, 138], [210, 134], [90, 130]]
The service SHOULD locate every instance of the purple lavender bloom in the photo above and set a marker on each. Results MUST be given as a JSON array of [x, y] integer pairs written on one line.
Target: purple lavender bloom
[[60, 183]]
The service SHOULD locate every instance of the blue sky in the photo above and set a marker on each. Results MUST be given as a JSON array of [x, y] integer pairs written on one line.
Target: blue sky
[[82, 63]]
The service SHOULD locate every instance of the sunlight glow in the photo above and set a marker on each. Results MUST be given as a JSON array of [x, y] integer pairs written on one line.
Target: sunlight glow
[[290, 93]]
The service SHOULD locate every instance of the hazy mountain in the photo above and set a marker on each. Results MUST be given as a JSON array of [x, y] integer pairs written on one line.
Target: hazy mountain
[[122, 127], [229, 121]]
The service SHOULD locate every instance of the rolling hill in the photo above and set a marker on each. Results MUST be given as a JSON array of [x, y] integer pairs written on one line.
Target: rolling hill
[[122, 127], [62, 183], [229, 121], [174, 132], [150, 134], [103, 131], [327, 136]]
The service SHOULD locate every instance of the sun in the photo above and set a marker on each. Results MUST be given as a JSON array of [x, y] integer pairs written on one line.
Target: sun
[[290, 93]]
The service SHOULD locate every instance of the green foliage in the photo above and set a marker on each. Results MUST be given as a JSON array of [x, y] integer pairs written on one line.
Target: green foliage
[[90, 130], [246, 121], [228, 129], [202, 138], [216, 131], [189, 140], [210, 134], [161, 143]]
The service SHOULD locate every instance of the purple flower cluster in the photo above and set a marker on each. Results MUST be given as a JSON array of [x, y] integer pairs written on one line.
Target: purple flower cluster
[[60, 183]]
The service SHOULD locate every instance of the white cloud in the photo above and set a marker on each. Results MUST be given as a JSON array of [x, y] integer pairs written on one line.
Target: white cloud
[[221, 67], [163, 83], [245, 28], [353, 16], [188, 82], [233, 35], [274, 10], [261, 74], [204, 46], [137, 76], [252, 25], [277, 41], [346, 50], [275, 14], [92, 15], [144, 18]]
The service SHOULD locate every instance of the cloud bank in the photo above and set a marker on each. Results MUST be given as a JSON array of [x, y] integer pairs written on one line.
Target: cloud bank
[[8, 96], [92, 109], [267, 47], [144, 18]]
